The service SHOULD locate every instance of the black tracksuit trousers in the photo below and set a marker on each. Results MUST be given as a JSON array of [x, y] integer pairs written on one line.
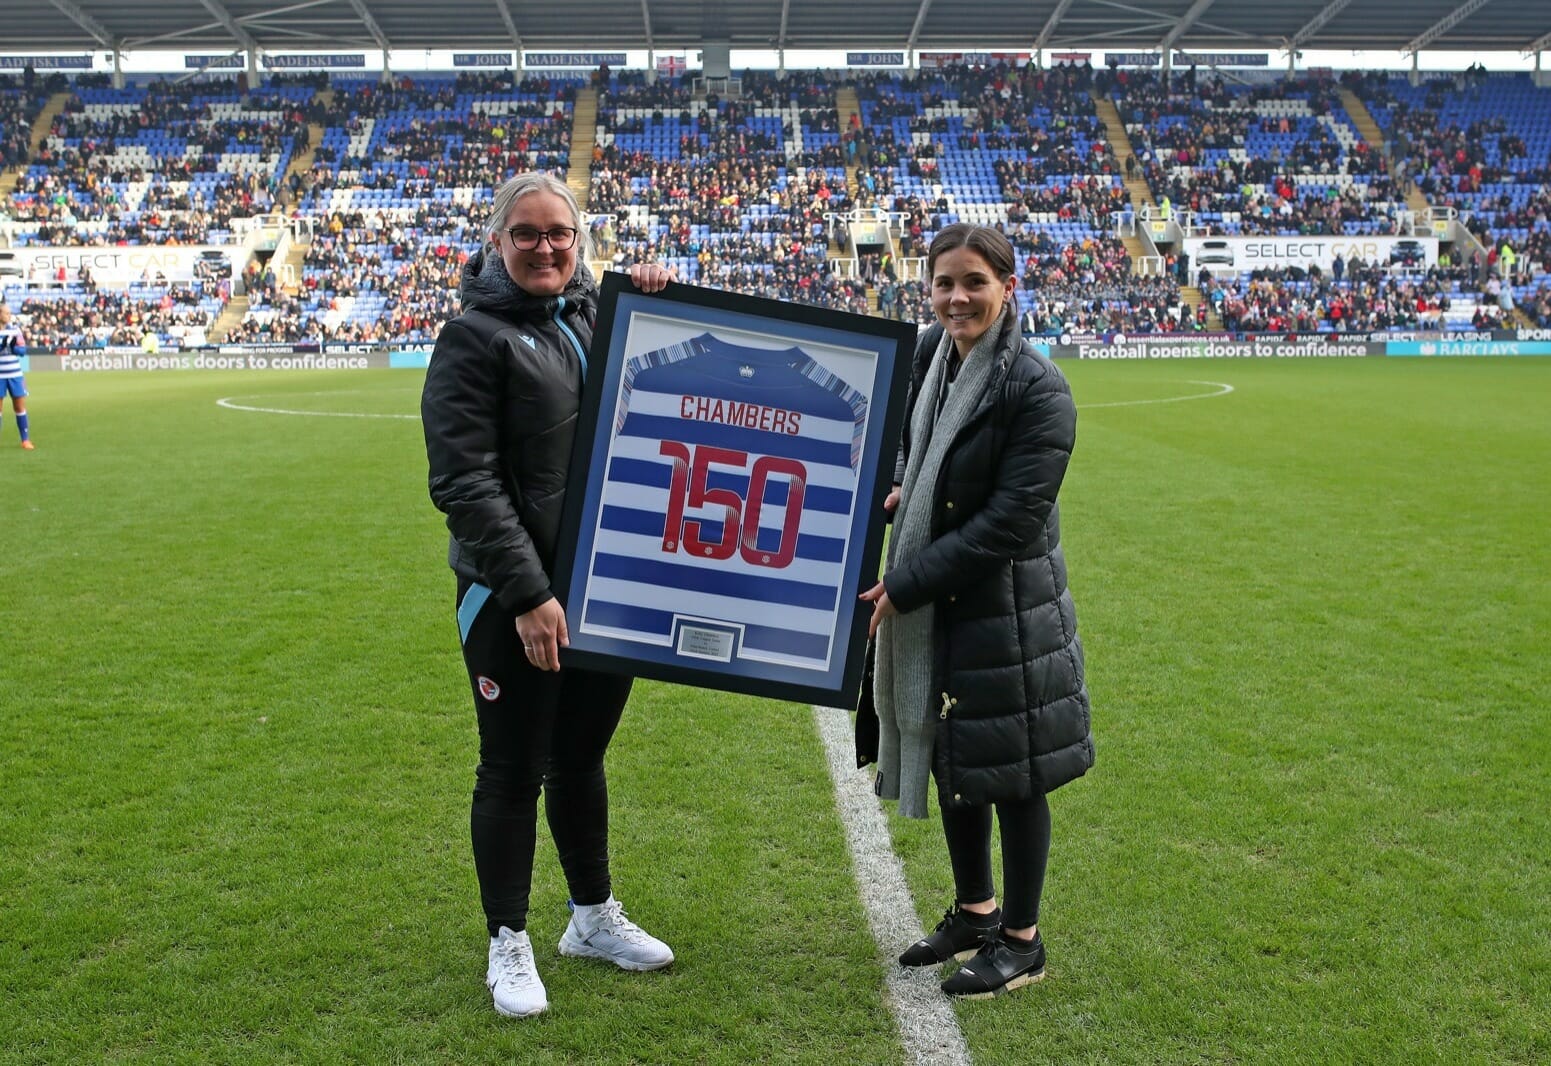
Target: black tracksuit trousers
[[537, 729], [1025, 852]]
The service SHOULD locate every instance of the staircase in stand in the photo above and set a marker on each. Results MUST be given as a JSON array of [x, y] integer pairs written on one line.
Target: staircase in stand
[[848, 107], [301, 163], [1192, 297], [584, 137], [231, 317], [1120, 144], [1362, 118], [41, 126], [296, 258], [1136, 188]]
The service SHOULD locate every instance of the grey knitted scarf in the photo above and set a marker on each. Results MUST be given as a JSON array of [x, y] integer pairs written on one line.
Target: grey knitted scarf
[[902, 678]]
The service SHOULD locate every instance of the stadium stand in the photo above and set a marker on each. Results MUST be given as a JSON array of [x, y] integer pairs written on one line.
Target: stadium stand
[[808, 187], [158, 163], [1480, 144], [732, 194], [1279, 159], [1368, 298], [1024, 150], [18, 109]]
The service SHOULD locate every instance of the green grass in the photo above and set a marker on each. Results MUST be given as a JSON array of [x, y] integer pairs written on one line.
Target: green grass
[[236, 751]]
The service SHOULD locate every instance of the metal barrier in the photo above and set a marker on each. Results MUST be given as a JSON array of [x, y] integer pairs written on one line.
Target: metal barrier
[[894, 220], [1149, 266]]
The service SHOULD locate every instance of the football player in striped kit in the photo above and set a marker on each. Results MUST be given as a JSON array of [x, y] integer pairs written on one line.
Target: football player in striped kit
[[12, 348]]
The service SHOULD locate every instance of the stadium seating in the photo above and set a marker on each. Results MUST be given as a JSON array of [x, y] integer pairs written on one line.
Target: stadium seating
[[1367, 298], [744, 190], [119, 164], [18, 110], [1279, 158], [1480, 144]]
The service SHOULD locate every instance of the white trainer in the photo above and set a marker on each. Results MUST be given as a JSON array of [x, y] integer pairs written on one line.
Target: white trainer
[[513, 976], [602, 931]]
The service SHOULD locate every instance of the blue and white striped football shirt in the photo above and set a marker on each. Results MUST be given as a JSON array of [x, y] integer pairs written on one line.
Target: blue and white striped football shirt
[[727, 503], [11, 349]]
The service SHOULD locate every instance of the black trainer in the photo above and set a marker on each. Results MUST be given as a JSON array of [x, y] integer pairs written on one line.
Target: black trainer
[[958, 936], [998, 969]]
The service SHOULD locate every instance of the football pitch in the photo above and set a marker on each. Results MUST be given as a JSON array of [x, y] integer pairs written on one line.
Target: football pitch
[[236, 748]]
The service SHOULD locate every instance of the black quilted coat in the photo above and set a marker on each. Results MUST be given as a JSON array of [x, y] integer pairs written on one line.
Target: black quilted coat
[[499, 411], [1008, 684]]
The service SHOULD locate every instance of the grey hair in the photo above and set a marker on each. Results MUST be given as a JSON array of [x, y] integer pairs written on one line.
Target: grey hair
[[525, 185]]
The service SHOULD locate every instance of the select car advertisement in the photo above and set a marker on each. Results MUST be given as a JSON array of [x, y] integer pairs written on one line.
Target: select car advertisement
[[1241, 255], [117, 266]]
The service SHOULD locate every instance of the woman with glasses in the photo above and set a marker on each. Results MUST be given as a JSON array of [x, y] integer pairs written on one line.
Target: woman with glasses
[[499, 412]]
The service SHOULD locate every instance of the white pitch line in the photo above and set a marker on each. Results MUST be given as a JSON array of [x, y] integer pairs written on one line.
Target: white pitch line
[[926, 1022], [228, 402], [1222, 388]]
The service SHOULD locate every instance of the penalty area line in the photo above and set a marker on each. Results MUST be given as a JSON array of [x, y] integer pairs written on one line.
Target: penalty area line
[[928, 1028]]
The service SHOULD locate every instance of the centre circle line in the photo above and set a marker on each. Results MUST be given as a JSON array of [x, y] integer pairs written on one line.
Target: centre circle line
[[1223, 389], [229, 402]]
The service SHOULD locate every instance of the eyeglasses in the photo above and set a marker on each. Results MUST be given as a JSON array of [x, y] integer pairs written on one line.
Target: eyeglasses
[[526, 238]]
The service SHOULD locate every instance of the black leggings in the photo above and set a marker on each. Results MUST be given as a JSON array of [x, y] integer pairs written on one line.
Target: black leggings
[[1025, 851], [536, 729]]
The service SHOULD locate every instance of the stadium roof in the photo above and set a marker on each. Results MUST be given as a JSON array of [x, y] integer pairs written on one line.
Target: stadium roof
[[1124, 25]]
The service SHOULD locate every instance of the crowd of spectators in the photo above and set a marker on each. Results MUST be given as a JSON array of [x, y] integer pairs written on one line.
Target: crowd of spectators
[[1453, 136], [1445, 149], [1364, 297], [750, 211], [86, 184], [1538, 306], [18, 109], [177, 112], [282, 320], [466, 150], [1193, 135], [407, 263], [167, 214], [95, 317], [376, 98], [1088, 287]]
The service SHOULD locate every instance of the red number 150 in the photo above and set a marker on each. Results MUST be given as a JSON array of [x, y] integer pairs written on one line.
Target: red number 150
[[740, 519]]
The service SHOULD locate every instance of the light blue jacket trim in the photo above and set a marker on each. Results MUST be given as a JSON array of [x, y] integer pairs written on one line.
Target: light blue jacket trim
[[580, 353], [473, 600]]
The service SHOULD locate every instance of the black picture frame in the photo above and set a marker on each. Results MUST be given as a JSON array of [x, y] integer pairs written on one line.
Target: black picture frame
[[694, 397]]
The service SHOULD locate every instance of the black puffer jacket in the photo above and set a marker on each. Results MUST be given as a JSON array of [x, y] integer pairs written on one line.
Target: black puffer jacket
[[1008, 683], [499, 412]]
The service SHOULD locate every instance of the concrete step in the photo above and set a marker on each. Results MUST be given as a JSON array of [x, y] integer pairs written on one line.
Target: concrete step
[[1192, 297], [1120, 144], [231, 317], [584, 137]]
